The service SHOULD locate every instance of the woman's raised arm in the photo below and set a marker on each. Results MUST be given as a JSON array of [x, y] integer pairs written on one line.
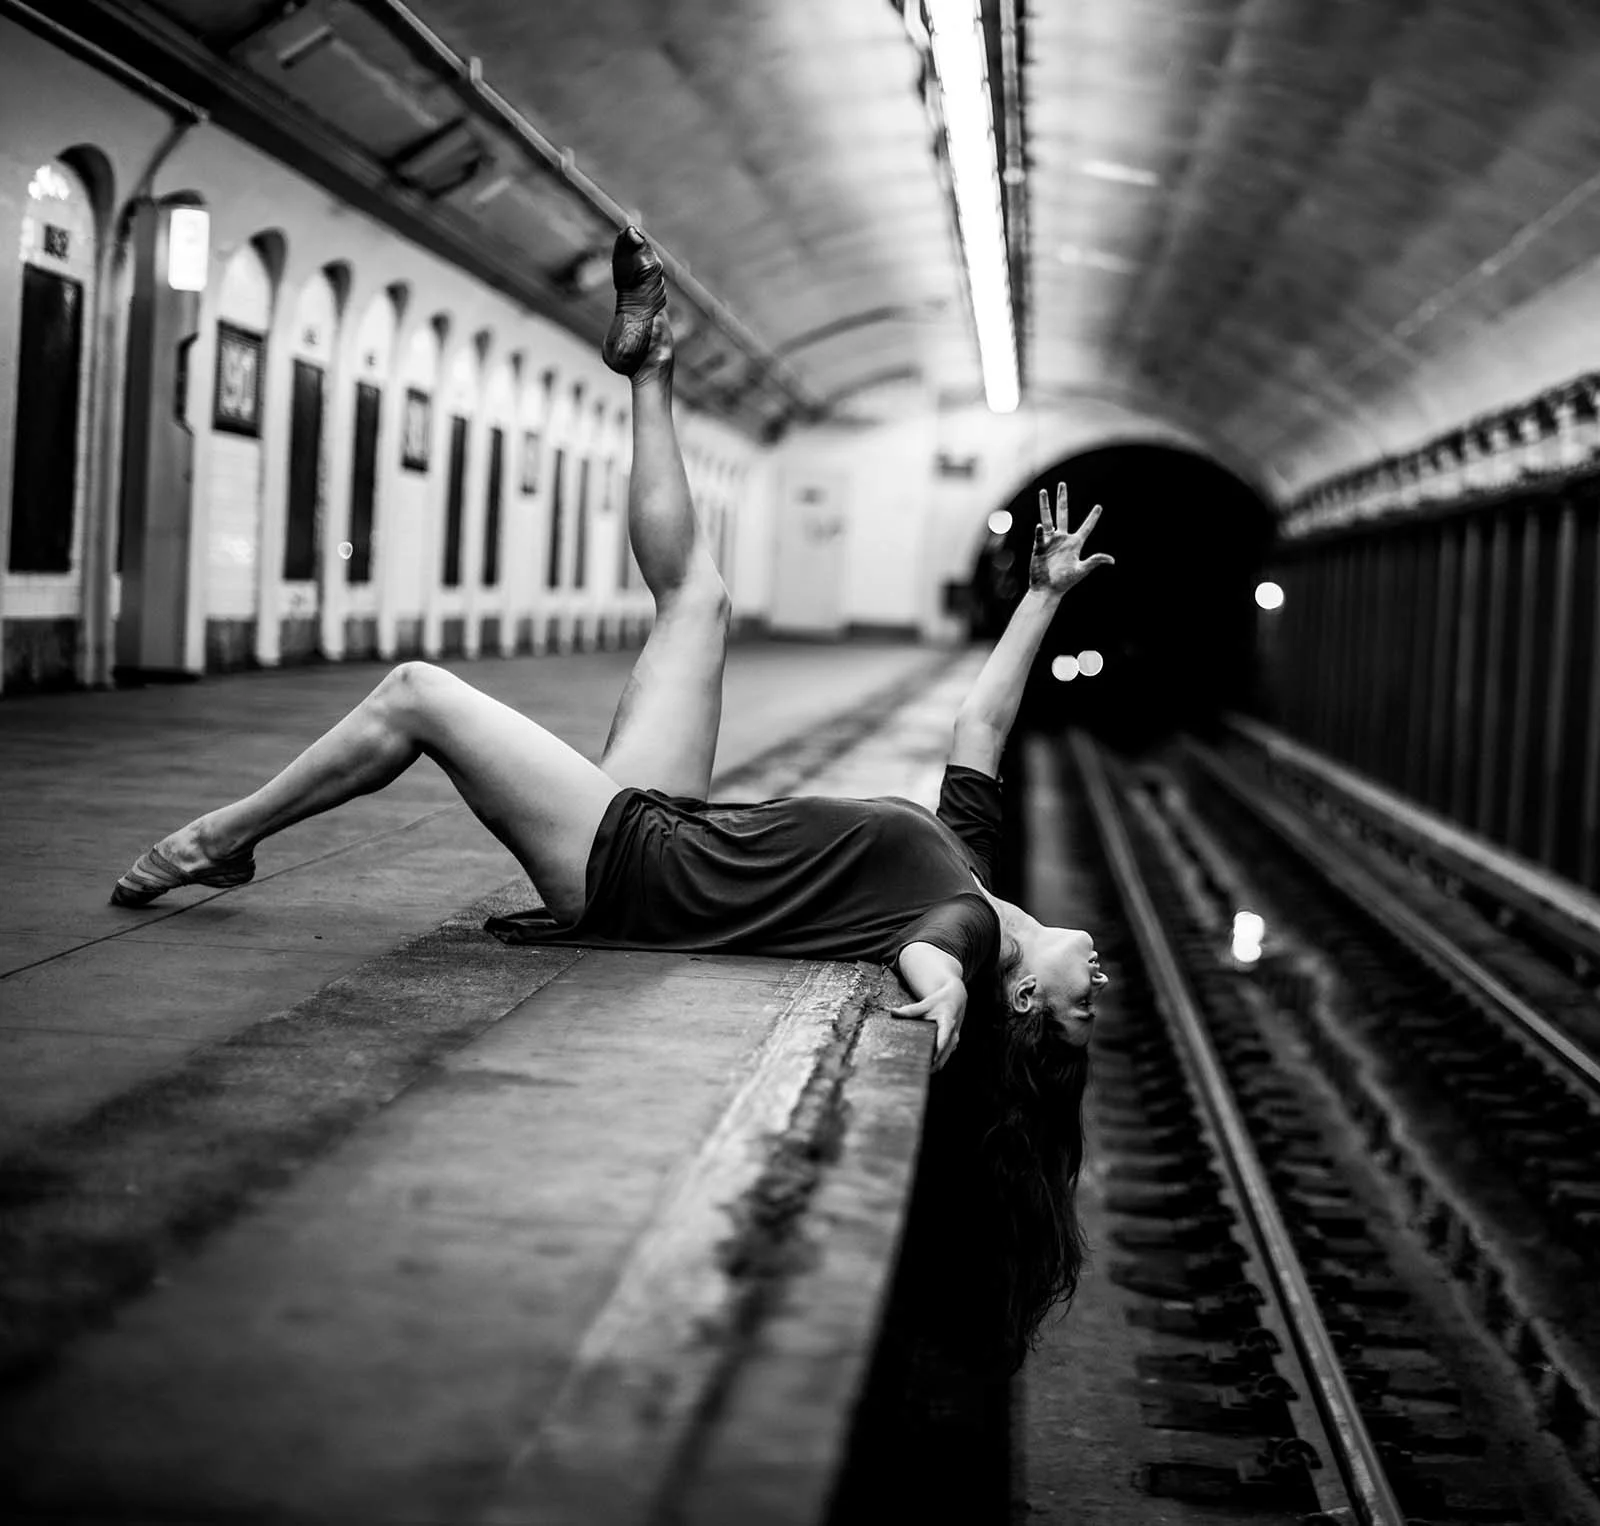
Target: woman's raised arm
[[984, 720]]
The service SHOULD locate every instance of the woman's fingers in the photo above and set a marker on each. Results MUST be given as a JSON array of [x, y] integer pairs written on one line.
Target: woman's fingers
[[915, 1009], [1062, 521], [1091, 519], [1045, 522]]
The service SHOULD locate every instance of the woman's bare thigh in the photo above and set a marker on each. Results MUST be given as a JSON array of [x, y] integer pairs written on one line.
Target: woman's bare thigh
[[664, 736], [540, 797]]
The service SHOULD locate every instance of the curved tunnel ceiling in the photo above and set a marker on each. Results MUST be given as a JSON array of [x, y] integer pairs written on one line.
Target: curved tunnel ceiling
[[1258, 220]]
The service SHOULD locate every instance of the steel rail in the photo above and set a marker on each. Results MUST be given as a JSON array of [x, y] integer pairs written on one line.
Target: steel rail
[[1523, 1021], [1355, 1455]]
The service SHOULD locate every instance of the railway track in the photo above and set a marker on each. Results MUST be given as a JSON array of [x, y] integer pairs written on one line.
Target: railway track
[[1349, 1186]]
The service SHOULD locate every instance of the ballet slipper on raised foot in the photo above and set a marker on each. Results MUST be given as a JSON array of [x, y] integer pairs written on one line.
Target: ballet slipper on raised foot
[[155, 874], [641, 295]]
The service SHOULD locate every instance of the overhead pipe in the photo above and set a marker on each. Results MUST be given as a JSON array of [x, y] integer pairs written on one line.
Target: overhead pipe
[[466, 82], [107, 62]]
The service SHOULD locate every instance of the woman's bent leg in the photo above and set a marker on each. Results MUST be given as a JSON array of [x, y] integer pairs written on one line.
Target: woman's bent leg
[[542, 799]]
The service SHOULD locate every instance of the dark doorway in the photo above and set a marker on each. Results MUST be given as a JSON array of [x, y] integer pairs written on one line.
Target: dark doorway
[[363, 483], [305, 457], [552, 575], [491, 518], [453, 502], [580, 555], [624, 546], [44, 470]]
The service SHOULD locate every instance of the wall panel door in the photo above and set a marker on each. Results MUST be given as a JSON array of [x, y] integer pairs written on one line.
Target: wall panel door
[[305, 474], [580, 550], [491, 520], [558, 504], [44, 468], [363, 482], [455, 496]]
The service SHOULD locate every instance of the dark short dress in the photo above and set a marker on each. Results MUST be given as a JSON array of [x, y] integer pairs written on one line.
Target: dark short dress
[[803, 876]]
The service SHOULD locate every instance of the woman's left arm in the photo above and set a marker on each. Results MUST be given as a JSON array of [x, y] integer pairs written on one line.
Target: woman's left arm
[[984, 720], [934, 978]]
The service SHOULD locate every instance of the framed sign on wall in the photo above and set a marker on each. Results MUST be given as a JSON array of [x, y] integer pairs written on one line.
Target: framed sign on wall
[[416, 429], [240, 356], [530, 461]]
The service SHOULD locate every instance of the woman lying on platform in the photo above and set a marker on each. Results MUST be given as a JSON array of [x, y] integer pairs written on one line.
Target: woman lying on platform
[[628, 852]]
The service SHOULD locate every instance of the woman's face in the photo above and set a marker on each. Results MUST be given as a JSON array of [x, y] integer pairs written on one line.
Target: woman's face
[[1068, 971]]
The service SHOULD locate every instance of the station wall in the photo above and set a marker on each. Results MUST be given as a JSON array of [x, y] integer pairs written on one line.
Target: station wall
[[380, 456]]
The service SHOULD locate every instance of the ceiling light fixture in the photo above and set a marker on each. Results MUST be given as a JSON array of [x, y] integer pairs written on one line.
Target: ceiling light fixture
[[1123, 174], [960, 56]]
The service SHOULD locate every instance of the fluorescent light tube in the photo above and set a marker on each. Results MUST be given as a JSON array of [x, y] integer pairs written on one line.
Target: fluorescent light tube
[[961, 59]]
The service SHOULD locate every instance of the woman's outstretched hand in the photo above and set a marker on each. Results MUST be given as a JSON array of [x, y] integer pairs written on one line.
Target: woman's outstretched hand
[[944, 1007], [1058, 562]]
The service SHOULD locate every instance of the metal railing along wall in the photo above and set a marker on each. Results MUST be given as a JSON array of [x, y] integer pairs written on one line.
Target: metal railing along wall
[[1456, 657]]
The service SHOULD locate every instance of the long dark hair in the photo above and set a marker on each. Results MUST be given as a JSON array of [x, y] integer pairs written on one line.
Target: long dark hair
[[1032, 1152]]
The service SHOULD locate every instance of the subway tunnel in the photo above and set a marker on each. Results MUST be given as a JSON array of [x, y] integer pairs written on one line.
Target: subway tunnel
[[324, 1204]]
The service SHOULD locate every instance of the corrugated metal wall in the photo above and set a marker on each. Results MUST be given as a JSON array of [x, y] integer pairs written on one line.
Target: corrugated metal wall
[[1456, 657]]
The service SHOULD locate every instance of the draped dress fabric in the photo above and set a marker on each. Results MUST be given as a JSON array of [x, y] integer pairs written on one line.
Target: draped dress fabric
[[805, 876]]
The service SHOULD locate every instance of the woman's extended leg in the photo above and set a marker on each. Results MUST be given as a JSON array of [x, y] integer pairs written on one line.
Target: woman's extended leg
[[542, 799], [664, 735]]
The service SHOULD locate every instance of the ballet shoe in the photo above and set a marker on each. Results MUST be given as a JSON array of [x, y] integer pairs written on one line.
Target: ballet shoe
[[641, 295], [153, 874]]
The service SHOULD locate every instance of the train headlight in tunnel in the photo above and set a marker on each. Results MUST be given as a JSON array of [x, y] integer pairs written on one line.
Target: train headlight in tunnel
[[1090, 663], [1248, 931], [1269, 596], [1000, 521], [1064, 668]]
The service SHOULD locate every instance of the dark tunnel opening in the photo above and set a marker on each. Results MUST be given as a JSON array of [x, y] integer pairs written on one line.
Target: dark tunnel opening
[[1174, 620]]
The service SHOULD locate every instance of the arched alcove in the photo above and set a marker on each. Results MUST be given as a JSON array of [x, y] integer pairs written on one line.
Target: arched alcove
[[375, 338], [1174, 620], [58, 268], [408, 508], [313, 341]]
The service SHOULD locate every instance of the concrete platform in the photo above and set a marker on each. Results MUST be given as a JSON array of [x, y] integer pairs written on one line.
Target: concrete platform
[[97, 999], [444, 1231]]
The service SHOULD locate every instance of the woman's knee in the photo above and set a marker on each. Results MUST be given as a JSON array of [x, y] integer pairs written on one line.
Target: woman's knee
[[701, 595], [410, 691]]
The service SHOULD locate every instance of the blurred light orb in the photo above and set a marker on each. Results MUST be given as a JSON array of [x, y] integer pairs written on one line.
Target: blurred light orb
[[1249, 926], [1090, 663], [346, 550], [1065, 669], [1248, 931], [1269, 596], [1000, 521]]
